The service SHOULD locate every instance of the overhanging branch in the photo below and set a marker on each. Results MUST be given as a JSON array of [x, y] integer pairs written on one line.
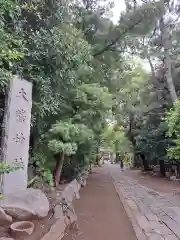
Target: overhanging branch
[[116, 39]]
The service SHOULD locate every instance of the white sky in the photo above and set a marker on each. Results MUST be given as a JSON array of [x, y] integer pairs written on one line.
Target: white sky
[[119, 7]]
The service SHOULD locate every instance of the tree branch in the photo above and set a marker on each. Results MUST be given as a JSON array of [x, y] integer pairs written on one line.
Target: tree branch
[[116, 39]]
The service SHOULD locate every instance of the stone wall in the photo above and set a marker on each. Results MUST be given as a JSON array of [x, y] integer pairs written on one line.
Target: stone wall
[[64, 212]]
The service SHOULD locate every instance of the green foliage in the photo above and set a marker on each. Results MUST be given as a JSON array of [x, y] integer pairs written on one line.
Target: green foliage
[[6, 169], [43, 169], [122, 144], [47, 176], [11, 45], [93, 103], [172, 120], [65, 137], [73, 55], [59, 147], [151, 141], [115, 139], [174, 152], [31, 182]]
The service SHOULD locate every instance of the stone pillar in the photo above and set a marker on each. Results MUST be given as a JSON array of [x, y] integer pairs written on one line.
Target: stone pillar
[[16, 133]]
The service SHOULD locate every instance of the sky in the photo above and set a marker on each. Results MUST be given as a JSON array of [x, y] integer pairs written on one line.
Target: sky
[[119, 7]]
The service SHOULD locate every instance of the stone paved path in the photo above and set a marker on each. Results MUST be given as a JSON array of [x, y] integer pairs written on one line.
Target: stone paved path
[[154, 216]]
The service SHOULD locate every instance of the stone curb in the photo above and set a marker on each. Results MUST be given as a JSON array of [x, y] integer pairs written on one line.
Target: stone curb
[[63, 222], [138, 231]]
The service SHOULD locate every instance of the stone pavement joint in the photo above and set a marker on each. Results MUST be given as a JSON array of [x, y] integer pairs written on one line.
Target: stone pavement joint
[[154, 216]]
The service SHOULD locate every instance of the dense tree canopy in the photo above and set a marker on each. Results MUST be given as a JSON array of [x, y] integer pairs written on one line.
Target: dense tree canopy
[[85, 75]]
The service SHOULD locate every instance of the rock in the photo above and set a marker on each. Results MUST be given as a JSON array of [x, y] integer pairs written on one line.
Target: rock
[[56, 231], [30, 203], [58, 211], [83, 183], [157, 168], [156, 174], [23, 228], [173, 178], [4, 218], [71, 215], [168, 174], [68, 193], [75, 188], [77, 195], [70, 218]]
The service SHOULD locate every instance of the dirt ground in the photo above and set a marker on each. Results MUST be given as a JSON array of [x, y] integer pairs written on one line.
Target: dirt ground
[[162, 185], [101, 215]]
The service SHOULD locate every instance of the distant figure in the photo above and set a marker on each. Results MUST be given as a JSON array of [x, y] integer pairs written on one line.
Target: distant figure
[[122, 165]]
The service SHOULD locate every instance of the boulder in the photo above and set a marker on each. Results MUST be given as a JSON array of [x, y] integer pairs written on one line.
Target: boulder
[[5, 219], [27, 204]]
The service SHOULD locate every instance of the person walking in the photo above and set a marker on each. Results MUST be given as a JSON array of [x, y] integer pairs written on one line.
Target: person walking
[[122, 165]]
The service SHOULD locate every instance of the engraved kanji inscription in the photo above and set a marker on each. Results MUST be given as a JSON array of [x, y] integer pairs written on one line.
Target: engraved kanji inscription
[[19, 138], [18, 162], [15, 135], [22, 94], [21, 115], [18, 159]]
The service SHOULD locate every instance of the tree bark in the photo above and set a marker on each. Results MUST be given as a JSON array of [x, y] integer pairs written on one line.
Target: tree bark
[[90, 167], [117, 157], [58, 169], [131, 135], [151, 66], [144, 162], [162, 167], [166, 42]]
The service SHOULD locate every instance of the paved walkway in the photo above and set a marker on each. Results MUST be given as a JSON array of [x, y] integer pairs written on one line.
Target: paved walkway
[[101, 215], [154, 216]]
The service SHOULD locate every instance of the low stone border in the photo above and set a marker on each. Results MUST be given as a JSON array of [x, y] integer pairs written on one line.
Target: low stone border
[[131, 210], [64, 212], [149, 221], [138, 231]]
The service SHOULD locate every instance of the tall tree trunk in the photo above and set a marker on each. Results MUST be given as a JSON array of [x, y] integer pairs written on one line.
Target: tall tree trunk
[[90, 167], [144, 162], [162, 167], [166, 42], [131, 136], [58, 168], [151, 66], [97, 156], [117, 157], [131, 122]]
